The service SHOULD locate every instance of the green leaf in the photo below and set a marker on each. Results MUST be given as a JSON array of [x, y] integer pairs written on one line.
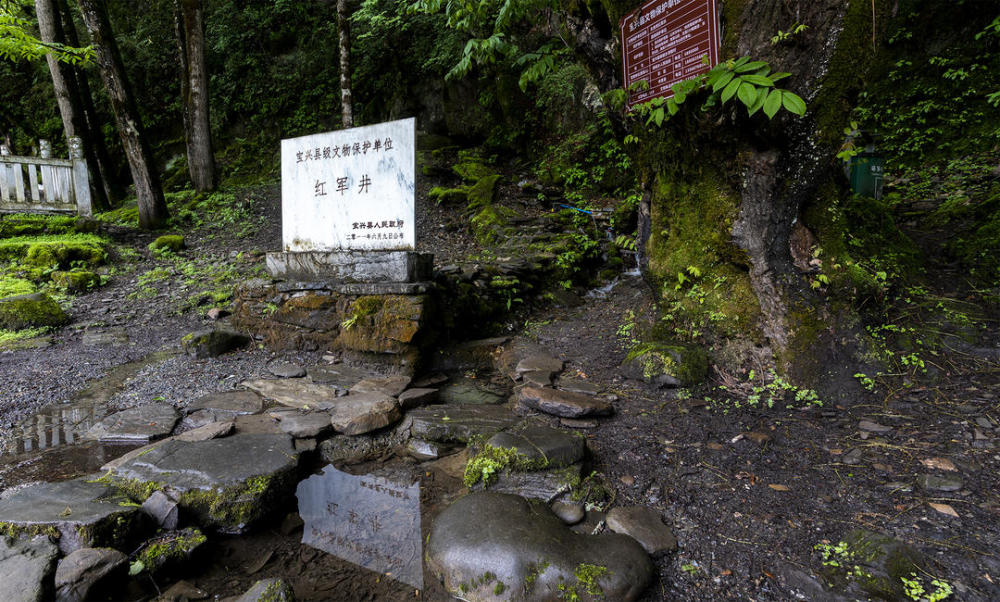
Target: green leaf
[[672, 107], [759, 102], [747, 94], [772, 103], [793, 103], [679, 93], [740, 61], [730, 89], [752, 66], [757, 80], [777, 76], [723, 80]]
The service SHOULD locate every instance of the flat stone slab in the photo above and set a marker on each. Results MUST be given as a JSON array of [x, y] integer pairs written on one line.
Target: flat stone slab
[[283, 369], [644, 525], [80, 514], [538, 362], [295, 393], [136, 425], [386, 385], [565, 404], [531, 552], [414, 398], [538, 443], [538, 484], [80, 571], [361, 413], [465, 392], [303, 426], [341, 376], [25, 568], [237, 402], [457, 423], [357, 448], [577, 385], [225, 484]]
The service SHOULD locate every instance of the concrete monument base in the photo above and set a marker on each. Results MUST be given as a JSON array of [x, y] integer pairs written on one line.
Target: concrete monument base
[[351, 266]]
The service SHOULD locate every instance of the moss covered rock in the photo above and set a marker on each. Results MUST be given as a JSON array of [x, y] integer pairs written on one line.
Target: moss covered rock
[[30, 311], [448, 196], [170, 550], [75, 280], [213, 342], [10, 287], [168, 242], [668, 365]]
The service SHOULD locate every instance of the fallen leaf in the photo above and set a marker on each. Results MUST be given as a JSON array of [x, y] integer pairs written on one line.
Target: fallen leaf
[[939, 464], [900, 507], [836, 452], [778, 487], [943, 509], [725, 573]]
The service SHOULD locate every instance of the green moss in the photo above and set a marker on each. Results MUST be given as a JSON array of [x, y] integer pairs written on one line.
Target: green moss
[[75, 280], [170, 549], [11, 287], [54, 251], [31, 225], [135, 489], [484, 192], [536, 571], [473, 171], [489, 461], [588, 576], [15, 531], [448, 196], [31, 311], [688, 364], [168, 242]]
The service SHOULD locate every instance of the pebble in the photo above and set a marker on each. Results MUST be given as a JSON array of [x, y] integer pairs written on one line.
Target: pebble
[[873, 427], [286, 369], [569, 512], [939, 483], [853, 457], [644, 525]]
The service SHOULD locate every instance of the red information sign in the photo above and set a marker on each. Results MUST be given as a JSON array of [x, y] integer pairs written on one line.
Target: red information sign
[[663, 42]]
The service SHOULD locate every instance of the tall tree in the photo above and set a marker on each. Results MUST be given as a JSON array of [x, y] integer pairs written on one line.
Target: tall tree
[[68, 96], [344, 39], [190, 25], [113, 189], [149, 194]]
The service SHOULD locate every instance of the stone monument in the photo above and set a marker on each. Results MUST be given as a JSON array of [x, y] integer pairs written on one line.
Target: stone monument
[[348, 277]]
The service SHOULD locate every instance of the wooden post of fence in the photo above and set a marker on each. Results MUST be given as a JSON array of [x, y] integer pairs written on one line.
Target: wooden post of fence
[[81, 178]]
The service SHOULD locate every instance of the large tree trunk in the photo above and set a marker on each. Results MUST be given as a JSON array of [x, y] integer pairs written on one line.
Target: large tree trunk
[[344, 31], [106, 172], [194, 93], [68, 97], [149, 195]]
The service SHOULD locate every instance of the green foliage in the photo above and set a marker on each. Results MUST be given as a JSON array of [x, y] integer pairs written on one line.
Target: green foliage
[[784, 36], [760, 392], [18, 42], [750, 82]]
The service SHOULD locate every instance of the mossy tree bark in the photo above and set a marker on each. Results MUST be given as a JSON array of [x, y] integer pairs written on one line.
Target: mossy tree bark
[[149, 194]]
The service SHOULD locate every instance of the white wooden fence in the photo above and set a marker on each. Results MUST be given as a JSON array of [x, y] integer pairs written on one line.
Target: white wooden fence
[[43, 184]]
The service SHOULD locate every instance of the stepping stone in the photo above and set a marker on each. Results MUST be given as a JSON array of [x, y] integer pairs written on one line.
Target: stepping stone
[[565, 404], [303, 426], [457, 423], [237, 402], [538, 484], [295, 393], [465, 392], [339, 376], [79, 572], [283, 369], [386, 385], [577, 385], [538, 363], [425, 450], [541, 444], [268, 590], [358, 448], [212, 430], [569, 512], [542, 559], [213, 342], [78, 513], [537, 379], [361, 413], [644, 525], [225, 484], [939, 483], [414, 398], [26, 567], [136, 425]]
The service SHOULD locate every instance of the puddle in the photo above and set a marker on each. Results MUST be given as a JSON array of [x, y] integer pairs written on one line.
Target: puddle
[[371, 521], [49, 444]]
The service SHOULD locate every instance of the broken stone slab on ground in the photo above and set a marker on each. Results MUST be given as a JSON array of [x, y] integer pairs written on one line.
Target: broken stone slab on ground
[[141, 424], [237, 402], [386, 385], [226, 484], [544, 366], [86, 569], [213, 342], [26, 567], [79, 513], [368, 446], [295, 393], [341, 376], [537, 484], [170, 550], [303, 425], [644, 525], [414, 398], [565, 404], [457, 423], [360, 413], [490, 546]]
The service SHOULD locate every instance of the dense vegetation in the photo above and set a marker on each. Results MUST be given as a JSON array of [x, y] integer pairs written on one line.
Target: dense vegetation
[[535, 85]]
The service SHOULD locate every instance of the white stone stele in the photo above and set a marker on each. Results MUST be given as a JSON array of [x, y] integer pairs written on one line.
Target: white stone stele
[[363, 201]]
